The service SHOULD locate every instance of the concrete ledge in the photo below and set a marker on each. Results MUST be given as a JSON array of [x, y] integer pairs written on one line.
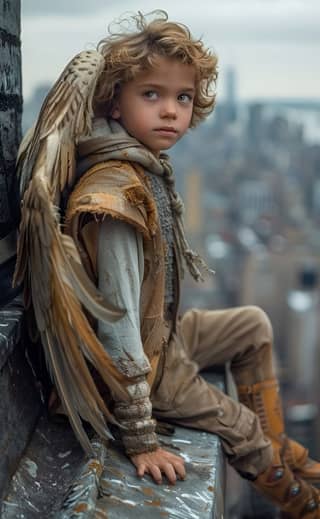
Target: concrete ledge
[[200, 495], [20, 403], [54, 477], [48, 467], [10, 329], [106, 486]]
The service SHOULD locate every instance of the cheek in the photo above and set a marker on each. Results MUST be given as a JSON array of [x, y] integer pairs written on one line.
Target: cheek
[[135, 123], [188, 118], [142, 120]]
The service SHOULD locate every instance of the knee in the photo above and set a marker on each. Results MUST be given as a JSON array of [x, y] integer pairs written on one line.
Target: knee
[[261, 322], [188, 317], [189, 324]]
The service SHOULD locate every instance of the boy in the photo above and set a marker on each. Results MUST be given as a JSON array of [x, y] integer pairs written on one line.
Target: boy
[[125, 219]]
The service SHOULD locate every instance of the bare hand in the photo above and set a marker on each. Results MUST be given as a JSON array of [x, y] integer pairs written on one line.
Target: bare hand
[[159, 462]]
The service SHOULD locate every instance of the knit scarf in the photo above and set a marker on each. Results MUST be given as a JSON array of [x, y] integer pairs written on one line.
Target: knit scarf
[[110, 141]]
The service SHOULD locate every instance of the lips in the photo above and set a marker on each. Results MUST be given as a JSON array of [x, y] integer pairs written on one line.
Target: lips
[[168, 130]]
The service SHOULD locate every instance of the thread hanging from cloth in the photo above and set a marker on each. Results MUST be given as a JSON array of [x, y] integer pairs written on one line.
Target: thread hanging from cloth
[[192, 259], [110, 141]]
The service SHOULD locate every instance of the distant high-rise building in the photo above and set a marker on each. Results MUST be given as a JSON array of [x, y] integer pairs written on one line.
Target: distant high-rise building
[[255, 124], [254, 199], [316, 199], [231, 97]]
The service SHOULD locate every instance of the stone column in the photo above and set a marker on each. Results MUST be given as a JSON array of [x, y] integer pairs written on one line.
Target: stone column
[[10, 135]]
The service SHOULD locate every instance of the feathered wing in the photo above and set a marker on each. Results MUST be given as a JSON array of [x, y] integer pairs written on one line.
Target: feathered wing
[[48, 263], [67, 108]]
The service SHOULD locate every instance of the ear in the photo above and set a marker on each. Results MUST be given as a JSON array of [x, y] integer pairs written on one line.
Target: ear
[[115, 112]]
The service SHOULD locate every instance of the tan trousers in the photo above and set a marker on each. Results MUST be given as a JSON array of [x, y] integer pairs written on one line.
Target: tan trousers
[[204, 339]]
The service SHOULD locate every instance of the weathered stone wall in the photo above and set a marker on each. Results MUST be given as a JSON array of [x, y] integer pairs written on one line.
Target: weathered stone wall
[[10, 134]]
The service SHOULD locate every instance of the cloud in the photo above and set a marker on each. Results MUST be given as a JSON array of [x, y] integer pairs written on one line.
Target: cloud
[[273, 44], [62, 7], [281, 11]]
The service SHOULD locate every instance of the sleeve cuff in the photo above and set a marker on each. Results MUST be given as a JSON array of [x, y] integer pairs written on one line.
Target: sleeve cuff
[[137, 428]]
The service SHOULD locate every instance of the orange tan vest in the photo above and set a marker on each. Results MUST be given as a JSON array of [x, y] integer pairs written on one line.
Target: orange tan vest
[[120, 189]]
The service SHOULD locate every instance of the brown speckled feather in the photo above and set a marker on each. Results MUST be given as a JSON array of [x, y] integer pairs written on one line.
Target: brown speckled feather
[[48, 263]]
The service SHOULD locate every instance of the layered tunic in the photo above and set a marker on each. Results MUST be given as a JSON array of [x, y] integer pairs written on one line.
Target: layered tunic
[[120, 217]]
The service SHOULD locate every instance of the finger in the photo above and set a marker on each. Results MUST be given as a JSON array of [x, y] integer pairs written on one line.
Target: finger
[[155, 473], [170, 473], [141, 469], [180, 470], [174, 458]]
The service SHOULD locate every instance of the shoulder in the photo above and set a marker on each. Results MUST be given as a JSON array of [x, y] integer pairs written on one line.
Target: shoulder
[[109, 175], [113, 188]]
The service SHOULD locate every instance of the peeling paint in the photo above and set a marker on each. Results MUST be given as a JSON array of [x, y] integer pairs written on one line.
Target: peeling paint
[[31, 467], [190, 499], [148, 491], [107, 486], [81, 507]]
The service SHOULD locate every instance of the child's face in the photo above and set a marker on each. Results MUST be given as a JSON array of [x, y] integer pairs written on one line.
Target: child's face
[[156, 107]]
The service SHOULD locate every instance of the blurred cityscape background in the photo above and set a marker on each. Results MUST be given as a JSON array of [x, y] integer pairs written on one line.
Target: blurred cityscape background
[[250, 179]]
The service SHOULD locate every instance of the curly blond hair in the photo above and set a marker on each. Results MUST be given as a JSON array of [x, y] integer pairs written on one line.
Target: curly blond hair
[[127, 52]]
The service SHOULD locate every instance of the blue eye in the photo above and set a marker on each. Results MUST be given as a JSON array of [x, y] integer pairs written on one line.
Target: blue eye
[[150, 94], [185, 98]]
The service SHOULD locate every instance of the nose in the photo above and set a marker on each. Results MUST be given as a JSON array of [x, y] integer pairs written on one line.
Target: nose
[[168, 109]]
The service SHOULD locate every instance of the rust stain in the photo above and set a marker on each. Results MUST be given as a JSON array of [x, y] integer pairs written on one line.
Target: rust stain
[[211, 488], [81, 507], [164, 514], [96, 467], [154, 502], [148, 491]]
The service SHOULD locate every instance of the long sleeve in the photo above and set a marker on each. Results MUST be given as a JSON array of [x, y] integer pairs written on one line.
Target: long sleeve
[[120, 273]]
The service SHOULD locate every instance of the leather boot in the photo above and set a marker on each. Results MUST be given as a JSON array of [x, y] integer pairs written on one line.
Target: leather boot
[[297, 498], [263, 398]]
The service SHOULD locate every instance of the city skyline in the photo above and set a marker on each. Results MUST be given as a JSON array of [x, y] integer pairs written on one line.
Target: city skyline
[[273, 45]]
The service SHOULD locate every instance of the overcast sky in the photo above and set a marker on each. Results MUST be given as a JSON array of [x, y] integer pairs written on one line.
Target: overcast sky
[[274, 45]]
